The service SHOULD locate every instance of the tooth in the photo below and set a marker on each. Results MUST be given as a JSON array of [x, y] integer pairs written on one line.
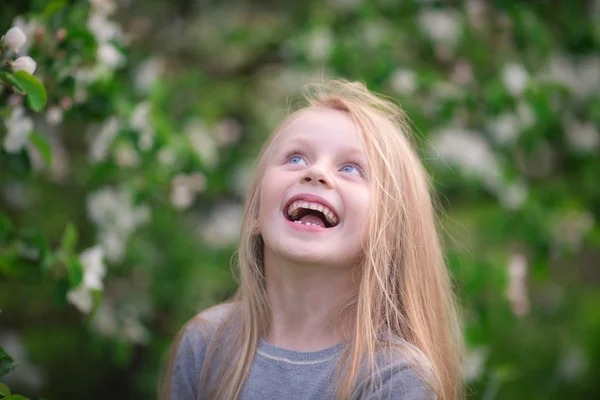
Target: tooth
[[312, 206], [304, 205], [320, 208], [298, 222]]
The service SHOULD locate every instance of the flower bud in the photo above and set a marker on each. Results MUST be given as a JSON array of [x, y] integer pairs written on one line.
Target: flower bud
[[60, 35], [14, 39], [24, 63]]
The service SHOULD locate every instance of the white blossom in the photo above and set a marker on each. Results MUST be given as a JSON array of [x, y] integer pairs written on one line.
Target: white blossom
[[103, 29], [81, 298], [120, 322], [442, 26], [166, 156], [403, 81], [513, 195], [54, 115], [476, 13], [222, 227], [24, 63], [318, 44], [93, 274], [147, 74], [103, 139], [93, 267], [517, 284], [185, 187], [445, 90], [228, 132], [103, 7], [105, 320], [582, 137], [114, 242], [134, 331], [505, 128], [28, 28], [581, 76], [515, 78], [469, 151], [474, 363], [85, 76], [109, 57], [202, 142], [117, 217], [113, 207], [126, 155], [141, 120], [18, 128], [14, 39], [462, 73]]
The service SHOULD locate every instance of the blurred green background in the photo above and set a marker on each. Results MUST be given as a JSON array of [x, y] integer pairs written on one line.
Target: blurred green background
[[120, 202]]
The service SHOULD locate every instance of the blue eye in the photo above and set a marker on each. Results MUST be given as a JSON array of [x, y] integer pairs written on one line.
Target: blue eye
[[351, 169], [296, 160]]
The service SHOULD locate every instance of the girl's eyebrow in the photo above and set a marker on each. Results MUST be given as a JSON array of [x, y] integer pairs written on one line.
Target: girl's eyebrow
[[302, 142], [356, 152]]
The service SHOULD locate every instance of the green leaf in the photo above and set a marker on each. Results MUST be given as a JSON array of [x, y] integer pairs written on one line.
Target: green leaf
[[59, 292], [74, 271], [33, 246], [36, 93], [6, 227], [4, 390], [4, 355], [17, 165], [7, 363], [41, 143], [9, 78], [16, 397], [69, 238], [52, 8]]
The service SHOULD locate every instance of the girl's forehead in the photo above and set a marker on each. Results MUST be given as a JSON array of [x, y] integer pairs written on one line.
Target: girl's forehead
[[319, 123]]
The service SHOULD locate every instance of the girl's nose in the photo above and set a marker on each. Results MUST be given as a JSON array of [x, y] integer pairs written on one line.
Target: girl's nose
[[316, 176]]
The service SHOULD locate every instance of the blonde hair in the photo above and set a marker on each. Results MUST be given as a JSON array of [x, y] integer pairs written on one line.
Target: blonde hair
[[405, 289]]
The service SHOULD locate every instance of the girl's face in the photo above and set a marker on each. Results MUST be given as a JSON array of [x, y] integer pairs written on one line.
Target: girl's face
[[314, 195]]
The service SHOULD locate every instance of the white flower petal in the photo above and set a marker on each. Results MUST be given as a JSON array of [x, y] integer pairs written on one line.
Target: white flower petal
[[14, 39], [81, 297], [24, 63]]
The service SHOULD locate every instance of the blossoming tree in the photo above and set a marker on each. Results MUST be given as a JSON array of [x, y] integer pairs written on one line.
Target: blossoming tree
[[128, 132]]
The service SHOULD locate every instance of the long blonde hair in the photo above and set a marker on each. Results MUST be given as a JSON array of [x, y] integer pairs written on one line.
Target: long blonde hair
[[405, 289]]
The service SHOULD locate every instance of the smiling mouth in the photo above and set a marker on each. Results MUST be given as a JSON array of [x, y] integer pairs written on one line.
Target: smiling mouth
[[309, 213]]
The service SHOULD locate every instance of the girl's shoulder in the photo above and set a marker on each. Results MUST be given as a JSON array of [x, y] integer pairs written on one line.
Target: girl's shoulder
[[208, 321], [398, 352]]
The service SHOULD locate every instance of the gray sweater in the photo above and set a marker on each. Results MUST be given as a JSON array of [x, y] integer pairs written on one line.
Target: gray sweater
[[280, 374]]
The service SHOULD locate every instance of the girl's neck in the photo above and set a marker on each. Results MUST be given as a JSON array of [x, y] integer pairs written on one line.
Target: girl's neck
[[306, 303]]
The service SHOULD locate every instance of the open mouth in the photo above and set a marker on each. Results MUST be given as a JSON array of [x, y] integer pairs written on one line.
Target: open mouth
[[311, 213]]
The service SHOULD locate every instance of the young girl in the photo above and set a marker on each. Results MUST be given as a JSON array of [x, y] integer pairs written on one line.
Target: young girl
[[343, 289]]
